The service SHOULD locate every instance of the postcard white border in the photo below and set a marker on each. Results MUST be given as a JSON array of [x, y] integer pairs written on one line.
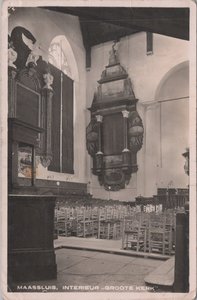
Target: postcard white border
[[3, 149]]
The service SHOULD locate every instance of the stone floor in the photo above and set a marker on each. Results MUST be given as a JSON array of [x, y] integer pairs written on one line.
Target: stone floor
[[92, 271], [102, 245]]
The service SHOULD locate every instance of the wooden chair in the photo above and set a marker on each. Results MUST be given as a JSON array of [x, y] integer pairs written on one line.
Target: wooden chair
[[159, 234], [134, 235], [63, 225], [78, 227], [101, 219], [109, 224]]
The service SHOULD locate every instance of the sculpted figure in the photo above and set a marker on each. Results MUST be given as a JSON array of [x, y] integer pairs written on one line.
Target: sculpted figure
[[48, 80], [113, 56]]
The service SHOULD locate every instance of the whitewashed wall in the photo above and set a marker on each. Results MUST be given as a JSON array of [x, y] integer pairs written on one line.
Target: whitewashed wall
[[155, 77]]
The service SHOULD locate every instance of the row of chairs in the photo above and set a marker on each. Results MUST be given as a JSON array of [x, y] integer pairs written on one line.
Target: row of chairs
[[140, 231], [100, 222], [149, 232]]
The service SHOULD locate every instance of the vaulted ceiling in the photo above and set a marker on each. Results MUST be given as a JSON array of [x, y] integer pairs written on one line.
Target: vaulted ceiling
[[102, 24]]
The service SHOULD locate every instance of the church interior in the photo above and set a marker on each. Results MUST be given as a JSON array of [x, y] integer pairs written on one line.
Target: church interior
[[98, 142]]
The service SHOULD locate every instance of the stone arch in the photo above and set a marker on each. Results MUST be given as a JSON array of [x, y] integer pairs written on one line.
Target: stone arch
[[172, 94], [172, 72], [69, 55]]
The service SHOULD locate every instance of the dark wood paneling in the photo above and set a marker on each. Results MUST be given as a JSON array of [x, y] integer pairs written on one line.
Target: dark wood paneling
[[181, 269], [51, 187], [28, 105], [30, 238], [67, 125], [112, 134]]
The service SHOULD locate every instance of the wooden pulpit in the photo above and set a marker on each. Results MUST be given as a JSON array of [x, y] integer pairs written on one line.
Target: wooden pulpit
[[31, 253]]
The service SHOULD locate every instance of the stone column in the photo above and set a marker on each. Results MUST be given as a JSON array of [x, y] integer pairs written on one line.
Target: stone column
[[125, 151], [47, 119], [99, 154], [99, 119]]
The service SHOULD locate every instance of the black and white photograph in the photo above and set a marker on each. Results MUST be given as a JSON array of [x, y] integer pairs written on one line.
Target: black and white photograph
[[98, 149]]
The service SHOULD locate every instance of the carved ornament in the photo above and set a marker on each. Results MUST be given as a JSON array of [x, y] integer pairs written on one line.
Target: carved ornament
[[92, 137], [48, 80], [12, 56], [136, 131], [46, 160]]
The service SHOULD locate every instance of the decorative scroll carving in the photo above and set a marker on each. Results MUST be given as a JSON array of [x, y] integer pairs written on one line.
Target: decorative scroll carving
[[186, 165], [136, 131], [32, 58], [23, 41], [114, 179], [46, 160], [92, 137], [34, 54], [12, 56]]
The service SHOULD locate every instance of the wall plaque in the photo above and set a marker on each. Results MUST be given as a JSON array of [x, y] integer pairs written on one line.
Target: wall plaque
[[115, 132]]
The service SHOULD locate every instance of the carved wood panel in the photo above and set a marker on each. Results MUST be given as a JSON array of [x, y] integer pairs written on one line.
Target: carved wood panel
[[112, 134], [115, 132]]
